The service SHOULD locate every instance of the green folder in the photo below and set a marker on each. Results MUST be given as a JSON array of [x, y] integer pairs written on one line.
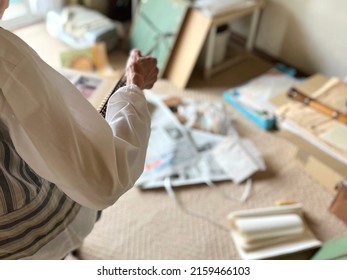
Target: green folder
[[334, 249], [155, 28]]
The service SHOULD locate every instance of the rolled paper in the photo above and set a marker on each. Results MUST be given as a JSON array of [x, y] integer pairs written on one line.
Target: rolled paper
[[265, 227]]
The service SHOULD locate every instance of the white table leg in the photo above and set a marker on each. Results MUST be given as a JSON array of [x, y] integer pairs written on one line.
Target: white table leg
[[210, 51], [253, 30]]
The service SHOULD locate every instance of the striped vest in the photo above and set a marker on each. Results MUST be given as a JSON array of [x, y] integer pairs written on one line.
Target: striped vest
[[33, 211]]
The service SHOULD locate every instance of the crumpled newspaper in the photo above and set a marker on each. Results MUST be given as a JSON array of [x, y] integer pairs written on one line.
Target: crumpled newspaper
[[206, 115]]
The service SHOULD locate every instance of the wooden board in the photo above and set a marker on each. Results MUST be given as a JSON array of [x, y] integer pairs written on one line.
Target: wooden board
[[188, 47]]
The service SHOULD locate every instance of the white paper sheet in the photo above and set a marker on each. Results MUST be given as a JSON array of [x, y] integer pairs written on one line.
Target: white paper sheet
[[239, 158]]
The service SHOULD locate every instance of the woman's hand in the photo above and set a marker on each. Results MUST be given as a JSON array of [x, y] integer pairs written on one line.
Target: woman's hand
[[141, 70]]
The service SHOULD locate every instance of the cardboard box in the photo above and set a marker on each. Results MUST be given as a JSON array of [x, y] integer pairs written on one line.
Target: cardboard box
[[324, 168]]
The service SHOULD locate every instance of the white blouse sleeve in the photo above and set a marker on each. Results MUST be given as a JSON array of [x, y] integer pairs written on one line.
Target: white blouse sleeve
[[66, 141]]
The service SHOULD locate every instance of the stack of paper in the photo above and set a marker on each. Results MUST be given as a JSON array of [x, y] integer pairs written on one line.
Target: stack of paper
[[270, 232], [321, 130]]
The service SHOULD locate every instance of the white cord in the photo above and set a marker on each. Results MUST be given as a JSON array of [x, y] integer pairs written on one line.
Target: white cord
[[248, 189], [245, 194], [169, 190]]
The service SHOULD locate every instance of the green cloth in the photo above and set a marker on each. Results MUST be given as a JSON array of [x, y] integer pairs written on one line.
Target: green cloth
[[333, 249]]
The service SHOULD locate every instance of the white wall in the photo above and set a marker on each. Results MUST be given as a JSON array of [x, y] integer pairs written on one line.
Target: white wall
[[308, 34]]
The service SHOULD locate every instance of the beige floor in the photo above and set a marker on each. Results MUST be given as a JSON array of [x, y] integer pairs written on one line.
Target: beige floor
[[150, 225]]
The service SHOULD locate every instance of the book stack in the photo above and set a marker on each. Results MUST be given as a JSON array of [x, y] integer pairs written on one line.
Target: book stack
[[271, 232]]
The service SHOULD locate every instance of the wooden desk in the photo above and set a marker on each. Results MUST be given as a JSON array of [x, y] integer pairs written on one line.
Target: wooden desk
[[199, 28]]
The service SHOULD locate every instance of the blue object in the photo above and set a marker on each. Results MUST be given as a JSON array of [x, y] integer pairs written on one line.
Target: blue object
[[262, 119], [290, 71]]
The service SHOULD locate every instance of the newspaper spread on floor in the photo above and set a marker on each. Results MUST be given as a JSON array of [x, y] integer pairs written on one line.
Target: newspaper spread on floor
[[190, 156]]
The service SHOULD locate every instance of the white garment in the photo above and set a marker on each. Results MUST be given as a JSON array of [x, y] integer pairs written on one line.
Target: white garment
[[62, 137]]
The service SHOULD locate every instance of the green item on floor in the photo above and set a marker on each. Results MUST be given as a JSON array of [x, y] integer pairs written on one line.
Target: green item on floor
[[334, 249]]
